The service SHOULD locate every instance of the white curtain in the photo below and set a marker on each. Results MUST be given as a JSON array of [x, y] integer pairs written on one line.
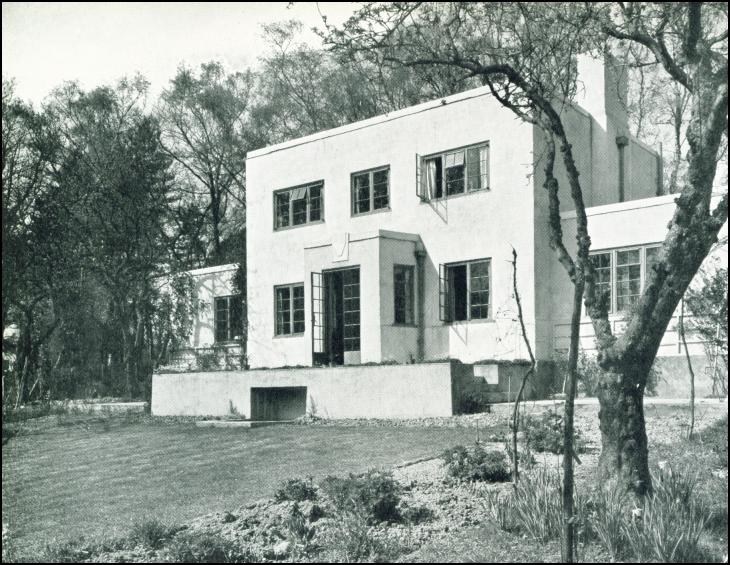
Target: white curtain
[[431, 178]]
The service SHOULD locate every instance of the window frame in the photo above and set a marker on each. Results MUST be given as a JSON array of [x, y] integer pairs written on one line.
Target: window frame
[[229, 298], [442, 155], [449, 298], [410, 305], [290, 287], [371, 191], [644, 273], [309, 221]]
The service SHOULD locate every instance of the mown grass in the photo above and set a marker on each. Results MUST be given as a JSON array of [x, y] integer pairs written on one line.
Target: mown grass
[[98, 476]]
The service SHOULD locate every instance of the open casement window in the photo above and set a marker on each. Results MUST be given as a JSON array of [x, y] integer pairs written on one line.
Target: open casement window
[[464, 290], [403, 295], [289, 302], [299, 205], [228, 318], [453, 172], [370, 191]]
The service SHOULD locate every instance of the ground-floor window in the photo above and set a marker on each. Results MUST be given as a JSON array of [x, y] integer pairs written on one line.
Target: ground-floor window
[[403, 294], [228, 314], [621, 274], [289, 302], [351, 309], [464, 290]]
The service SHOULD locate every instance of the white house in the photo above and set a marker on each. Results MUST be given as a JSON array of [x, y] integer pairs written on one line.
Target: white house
[[390, 241]]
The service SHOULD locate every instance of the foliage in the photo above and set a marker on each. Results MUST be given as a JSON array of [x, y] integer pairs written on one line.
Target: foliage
[[151, 533], [707, 302], [545, 433], [473, 402], [208, 548], [351, 539], [297, 490], [476, 464], [536, 505], [374, 494], [669, 525]]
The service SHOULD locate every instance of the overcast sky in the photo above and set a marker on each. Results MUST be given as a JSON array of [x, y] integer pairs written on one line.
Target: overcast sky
[[44, 44]]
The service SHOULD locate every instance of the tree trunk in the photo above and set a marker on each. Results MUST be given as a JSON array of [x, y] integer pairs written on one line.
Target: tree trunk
[[624, 450]]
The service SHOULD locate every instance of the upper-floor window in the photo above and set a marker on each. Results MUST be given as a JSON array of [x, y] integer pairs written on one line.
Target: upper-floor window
[[228, 315], [298, 205], [370, 191], [464, 290], [289, 301], [621, 274], [454, 172]]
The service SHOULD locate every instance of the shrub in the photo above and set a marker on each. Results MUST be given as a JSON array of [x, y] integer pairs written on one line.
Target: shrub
[[498, 508], [608, 514], [376, 493], [151, 533], [301, 533], [350, 539], [415, 515], [474, 402], [73, 551], [545, 433], [208, 548], [296, 490], [536, 505], [477, 464]]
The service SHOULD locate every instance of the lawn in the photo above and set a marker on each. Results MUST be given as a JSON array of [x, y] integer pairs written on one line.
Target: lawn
[[96, 478]]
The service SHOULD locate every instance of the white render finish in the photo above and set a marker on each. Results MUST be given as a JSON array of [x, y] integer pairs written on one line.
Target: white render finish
[[478, 225]]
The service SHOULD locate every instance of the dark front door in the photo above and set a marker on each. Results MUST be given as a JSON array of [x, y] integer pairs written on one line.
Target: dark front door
[[335, 315]]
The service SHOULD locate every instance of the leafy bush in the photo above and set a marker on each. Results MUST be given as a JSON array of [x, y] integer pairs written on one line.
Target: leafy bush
[[296, 490], [208, 548], [545, 433], [536, 505], [375, 493], [151, 533], [301, 533], [474, 402], [415, 515], [73, 551], [477, 464], [350, 539]]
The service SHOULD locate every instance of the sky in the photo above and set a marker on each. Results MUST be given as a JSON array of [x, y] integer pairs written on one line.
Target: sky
[[44, 44]]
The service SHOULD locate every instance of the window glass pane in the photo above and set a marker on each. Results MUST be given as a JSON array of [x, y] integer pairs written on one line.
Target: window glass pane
[[282, 209], [473, 169], [628, 278], [221, 319], [458, 289], [652, 255], [380, 189], [283, 311], [361, 193], [455, 169], [602, 266], [403, 294], [479, 289], [299, 209], [298, 312], [315, 203]]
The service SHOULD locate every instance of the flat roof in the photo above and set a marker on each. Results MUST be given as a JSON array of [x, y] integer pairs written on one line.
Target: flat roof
[[383, 118]]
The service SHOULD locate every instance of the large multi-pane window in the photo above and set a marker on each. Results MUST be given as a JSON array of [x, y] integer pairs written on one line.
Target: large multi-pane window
[[622, 274], [370, 191], [403, 294], [464, 290], [455, 172], [351, 309], [299, 205], [289, 302], [228, 313]]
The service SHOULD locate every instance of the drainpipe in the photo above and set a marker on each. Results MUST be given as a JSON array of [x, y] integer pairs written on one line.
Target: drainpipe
[[420, 259]]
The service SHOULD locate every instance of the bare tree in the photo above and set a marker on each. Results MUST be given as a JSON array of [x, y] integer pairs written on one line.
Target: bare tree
[[526, 55]]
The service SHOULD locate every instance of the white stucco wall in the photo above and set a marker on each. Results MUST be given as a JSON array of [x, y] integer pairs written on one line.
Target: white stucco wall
[[487, 224], [478, 225], [210, 282], [388, 391]]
